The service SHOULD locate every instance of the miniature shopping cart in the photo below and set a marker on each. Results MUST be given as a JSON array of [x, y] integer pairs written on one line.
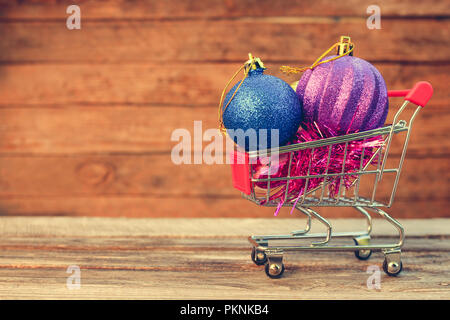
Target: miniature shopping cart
[[362, 197]]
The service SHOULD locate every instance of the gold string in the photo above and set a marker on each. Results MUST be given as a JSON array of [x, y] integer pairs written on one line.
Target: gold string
[[293, 70], [222, 128]]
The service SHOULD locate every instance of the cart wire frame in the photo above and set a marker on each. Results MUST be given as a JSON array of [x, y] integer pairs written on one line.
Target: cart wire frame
[[272, 256]]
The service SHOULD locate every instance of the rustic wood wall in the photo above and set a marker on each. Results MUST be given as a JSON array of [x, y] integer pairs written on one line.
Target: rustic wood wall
[[86, 115]]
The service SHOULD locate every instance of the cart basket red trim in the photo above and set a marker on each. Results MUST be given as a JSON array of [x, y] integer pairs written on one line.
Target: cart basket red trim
[[240, 171]]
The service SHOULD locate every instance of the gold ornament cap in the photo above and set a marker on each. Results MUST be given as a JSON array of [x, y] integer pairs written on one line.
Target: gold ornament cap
[[253, 63], [345, 45]]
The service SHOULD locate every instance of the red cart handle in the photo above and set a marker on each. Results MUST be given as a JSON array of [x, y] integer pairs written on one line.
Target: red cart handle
[[420, 94]]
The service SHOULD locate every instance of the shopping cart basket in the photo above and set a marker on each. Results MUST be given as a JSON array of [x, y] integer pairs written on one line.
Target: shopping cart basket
[[363, 201]]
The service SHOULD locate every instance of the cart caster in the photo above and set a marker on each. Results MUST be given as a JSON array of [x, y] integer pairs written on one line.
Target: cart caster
[[392, 268], [274, 266], [274, 270], [392, 264], [258, 257], [362, 254]]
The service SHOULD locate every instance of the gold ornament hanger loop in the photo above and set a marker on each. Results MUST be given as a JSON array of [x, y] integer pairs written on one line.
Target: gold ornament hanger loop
[[344, 47], [251, 64]]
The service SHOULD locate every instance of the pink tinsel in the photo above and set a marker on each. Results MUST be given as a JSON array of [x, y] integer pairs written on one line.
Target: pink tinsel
[[302, 158]]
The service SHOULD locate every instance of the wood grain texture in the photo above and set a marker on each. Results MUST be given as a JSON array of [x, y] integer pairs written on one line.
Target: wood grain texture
[[174, 84], [213, 9], [222, 40], [204, 259], [72, 182], [209, 206], [180, 228], [133, 129], [156, 175]]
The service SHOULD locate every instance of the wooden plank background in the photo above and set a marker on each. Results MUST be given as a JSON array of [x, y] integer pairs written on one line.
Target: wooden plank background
[[86, 115]]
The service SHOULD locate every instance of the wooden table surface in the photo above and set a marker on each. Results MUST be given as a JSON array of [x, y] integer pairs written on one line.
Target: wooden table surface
[[124, 258]]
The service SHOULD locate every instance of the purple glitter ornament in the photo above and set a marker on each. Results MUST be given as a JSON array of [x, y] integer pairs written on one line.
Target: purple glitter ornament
[[346, 95]]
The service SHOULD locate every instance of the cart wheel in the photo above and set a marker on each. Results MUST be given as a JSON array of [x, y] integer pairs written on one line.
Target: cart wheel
[[274, 270], [362, 254], [258, 257], [393, 268]]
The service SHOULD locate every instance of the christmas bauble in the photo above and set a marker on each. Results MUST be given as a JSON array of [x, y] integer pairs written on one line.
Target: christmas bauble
[[346, 95], [262, 102]]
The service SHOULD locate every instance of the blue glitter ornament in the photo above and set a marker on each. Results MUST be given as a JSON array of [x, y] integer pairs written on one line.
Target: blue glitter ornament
[[262, 102]]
